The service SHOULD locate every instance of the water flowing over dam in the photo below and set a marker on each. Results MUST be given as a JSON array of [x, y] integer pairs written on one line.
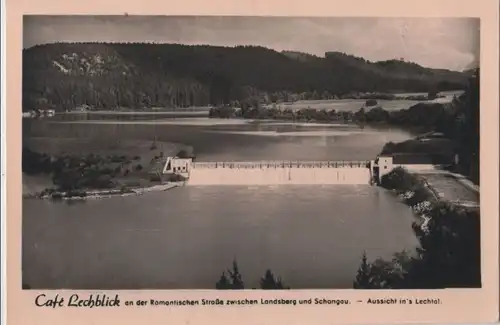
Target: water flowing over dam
[[280, 172]]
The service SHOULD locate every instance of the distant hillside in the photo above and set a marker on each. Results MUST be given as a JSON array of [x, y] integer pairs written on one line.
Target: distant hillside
[[137, 75], [300, 56]]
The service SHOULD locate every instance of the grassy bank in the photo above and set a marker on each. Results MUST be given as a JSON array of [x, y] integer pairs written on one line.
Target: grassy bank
[[67, 167]]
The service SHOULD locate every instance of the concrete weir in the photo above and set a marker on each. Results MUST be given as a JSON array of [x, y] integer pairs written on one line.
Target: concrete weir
[[280, 173]]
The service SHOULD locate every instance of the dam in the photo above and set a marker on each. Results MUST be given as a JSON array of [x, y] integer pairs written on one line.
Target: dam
[[272, 172], [295, 172]]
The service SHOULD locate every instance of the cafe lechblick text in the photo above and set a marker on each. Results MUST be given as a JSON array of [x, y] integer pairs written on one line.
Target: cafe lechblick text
[[103, 300]]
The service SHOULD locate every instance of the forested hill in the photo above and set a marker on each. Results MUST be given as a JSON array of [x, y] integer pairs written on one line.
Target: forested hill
[[138, 75]]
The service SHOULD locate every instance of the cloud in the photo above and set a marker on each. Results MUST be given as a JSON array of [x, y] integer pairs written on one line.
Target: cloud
[[451, 43]]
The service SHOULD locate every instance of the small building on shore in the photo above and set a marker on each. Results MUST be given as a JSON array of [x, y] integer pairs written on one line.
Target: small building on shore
[[177, 166]]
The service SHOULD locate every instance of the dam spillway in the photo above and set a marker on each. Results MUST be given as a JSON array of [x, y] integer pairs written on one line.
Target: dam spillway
[[280, 173]]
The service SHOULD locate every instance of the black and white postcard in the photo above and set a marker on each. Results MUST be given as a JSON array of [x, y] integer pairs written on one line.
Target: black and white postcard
[[249, 163]]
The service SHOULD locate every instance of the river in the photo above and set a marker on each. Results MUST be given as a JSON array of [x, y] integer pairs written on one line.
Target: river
[[311, 236]]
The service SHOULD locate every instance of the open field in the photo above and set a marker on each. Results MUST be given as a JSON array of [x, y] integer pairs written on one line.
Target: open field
[[351, 105]]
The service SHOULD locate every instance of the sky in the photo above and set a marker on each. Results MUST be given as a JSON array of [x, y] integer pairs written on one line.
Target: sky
[[447, 43]]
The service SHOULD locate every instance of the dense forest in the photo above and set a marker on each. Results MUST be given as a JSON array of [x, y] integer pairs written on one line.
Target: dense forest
[[65, 76]]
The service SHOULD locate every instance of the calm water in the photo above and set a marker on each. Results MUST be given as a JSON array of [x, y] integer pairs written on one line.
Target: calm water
[[313, 237], [215, 139]]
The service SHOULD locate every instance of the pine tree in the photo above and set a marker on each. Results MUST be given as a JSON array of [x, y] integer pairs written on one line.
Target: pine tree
[[363, 279], [236, 279], [233, 282], [270, 282], [223, 283]]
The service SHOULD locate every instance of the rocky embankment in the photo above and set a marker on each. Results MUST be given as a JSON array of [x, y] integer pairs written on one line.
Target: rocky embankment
[[413, 191]]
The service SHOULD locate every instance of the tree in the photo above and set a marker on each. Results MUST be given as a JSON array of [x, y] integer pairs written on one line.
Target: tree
[[360, 115], [175, 75], [223, 283], [363, 277], [449, 252], [377, 114], [233, 282], [470, 129], [270, 282], [235, 276]]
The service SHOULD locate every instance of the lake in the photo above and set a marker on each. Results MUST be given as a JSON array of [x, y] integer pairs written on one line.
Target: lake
[[311, 236], [217, 139]]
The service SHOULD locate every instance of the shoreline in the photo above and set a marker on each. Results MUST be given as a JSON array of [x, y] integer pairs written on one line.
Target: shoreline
[[198, 109], [100, 194]]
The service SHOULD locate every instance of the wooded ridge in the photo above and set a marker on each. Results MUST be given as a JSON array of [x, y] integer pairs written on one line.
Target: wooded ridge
[[142, 75]]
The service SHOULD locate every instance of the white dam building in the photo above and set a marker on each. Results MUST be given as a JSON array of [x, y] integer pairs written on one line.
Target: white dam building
[[296, 172]]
